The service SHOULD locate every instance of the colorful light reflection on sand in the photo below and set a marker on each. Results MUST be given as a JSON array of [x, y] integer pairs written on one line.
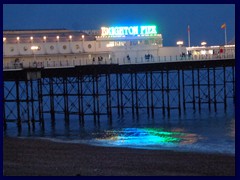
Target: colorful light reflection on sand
[[145, 137]]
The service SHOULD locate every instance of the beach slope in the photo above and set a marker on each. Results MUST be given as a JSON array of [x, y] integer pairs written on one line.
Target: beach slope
[[35, 157]]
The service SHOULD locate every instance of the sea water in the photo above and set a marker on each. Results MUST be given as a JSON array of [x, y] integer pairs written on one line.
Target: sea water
[[205, 131]]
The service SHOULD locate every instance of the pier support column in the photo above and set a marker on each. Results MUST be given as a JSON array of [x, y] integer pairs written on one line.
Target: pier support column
[[81, 97], [97, 98], [65, 96], [163, 92], [121, 94], [193, 90], [40, 102], [199, 93], [151, 90], [214, 89], [136, 93], [183, 91], [132, 94], [109, 98], [27, 100], [79, 101], [118, 98], [209, 92], [4, 109], [168, 91], [147, 89], [179, 94], [224, 88], [19, 122], [32, 101], [52, 111], [94, 98], [233, 77]]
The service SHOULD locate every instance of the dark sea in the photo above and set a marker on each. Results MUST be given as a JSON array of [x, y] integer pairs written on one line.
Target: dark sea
[[206, 131]]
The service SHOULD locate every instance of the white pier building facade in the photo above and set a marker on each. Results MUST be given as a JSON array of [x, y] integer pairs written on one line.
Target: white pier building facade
[[110, 45]]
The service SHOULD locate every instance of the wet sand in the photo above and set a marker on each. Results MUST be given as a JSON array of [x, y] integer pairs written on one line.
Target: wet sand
[[34, 157]]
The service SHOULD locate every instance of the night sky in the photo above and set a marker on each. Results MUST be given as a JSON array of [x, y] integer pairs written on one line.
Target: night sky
[[205, 20]]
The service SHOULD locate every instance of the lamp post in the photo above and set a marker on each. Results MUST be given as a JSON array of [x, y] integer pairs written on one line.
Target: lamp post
[[34, 48], [31, 40], [179, 43], [83, 42], [70, 43], [18, 40], [58, 49], [44, 46], [4, 41], [44, 38], [203, 52]]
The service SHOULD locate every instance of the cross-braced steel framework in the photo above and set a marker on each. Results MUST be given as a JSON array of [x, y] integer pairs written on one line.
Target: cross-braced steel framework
[[22, 102], [108, 92], [80, 96], [211, 86]]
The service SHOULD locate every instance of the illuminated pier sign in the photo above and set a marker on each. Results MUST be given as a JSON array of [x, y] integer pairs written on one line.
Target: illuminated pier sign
[[131, 30]]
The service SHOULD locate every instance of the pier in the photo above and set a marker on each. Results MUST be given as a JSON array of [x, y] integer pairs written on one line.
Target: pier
[[89, 76], [109, 89]]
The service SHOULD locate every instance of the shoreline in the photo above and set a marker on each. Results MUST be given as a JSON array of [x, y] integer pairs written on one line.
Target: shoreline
[[34, 157], [54, 140]]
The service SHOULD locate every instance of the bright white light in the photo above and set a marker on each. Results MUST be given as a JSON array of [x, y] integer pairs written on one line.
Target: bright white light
[[210, 51], [203, 43], [110, 44], [70, 37], [229, 45], [203, 52], [34, 47], [179, 42], [31, 38], [44, 37], [83, 36], [4, 39], [18, 38], [57, 37]]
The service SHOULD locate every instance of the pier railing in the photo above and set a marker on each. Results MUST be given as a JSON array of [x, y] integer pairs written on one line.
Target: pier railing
[[37, 63]]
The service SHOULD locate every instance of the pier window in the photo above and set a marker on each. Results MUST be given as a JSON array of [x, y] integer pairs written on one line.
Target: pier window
[[25, 48], [77, 46], [64, 47]]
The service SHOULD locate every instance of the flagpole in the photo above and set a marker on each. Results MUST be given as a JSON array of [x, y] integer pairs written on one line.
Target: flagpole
[[226, 35], [188, 36]]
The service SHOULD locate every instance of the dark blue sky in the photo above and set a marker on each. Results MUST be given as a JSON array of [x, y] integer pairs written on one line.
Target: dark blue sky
[[205, 20]]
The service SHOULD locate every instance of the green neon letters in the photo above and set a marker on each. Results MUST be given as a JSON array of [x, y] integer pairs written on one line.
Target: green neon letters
[[131, 30]]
